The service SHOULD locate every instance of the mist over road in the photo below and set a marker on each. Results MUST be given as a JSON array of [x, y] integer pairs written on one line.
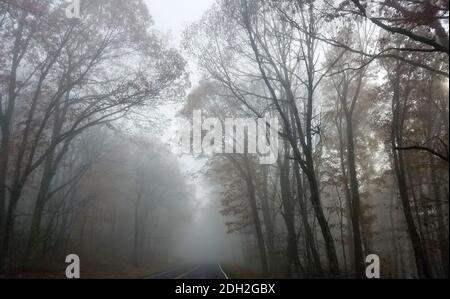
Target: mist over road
[[208, 271]]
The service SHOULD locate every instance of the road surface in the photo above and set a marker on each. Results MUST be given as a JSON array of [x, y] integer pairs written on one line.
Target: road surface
[[211, 271]]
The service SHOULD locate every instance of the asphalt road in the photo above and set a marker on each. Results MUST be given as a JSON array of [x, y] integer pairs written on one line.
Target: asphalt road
[[211, 271]]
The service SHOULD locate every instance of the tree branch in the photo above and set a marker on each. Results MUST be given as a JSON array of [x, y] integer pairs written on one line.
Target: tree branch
[[423, 148]]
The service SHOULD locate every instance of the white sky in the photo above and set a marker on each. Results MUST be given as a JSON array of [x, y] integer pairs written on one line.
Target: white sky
[[172, 16]]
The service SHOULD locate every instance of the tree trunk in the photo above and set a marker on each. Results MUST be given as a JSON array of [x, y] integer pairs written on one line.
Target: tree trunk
[[311, 246], [348, 198], [355, 211], [288, 215], [136, 235], [35, 226], [317, 206], [9, 229], [268, 223], [256, 220], [247, 176], [4, 161], [441, 231], [399, 168]]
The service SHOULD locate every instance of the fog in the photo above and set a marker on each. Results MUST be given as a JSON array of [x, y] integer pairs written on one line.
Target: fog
[[336, 113]]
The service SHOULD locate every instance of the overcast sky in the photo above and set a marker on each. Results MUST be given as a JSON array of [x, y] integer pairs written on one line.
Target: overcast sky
[[172, 16]]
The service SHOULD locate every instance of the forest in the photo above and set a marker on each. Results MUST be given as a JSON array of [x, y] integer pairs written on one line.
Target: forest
[[90, 108]]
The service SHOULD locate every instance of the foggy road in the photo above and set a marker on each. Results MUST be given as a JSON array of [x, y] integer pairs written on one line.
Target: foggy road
[[171, 139], [211, 271]]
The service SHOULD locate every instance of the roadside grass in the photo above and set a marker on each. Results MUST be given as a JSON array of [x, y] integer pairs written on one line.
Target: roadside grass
[[89, 269]]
